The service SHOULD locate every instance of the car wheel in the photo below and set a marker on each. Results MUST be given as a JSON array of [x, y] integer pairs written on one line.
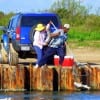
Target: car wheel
[[3, 55], [12, 56], [31, 35]]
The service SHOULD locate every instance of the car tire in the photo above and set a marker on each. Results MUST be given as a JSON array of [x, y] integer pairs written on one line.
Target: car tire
[[12, 56], [32, 33], [3, 55]]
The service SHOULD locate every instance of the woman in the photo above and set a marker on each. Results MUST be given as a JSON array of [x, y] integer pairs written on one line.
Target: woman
[[38, 43]]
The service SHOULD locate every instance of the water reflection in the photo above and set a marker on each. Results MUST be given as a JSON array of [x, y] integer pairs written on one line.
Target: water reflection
[[94, 95]]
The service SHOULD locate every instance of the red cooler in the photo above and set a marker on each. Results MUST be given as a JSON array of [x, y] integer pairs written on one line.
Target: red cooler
[[68, 61], [56, 60]]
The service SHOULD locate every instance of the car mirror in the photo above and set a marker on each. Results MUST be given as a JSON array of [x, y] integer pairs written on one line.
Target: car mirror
[[3, 28]]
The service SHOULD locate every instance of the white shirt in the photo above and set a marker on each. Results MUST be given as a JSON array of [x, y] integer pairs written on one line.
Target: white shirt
[[39, 38]]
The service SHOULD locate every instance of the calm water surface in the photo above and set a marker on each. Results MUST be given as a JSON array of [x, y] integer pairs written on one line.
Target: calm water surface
[[50, 95]]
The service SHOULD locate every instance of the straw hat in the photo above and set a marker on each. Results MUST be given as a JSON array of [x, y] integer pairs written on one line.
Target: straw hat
[[40, 27]]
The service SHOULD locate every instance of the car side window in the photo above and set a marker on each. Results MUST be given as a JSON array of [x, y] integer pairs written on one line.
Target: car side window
[[10, 24], [14, 23]]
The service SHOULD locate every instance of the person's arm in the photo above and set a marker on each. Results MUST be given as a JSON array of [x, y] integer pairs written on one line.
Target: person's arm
[[51, 35], [57, 33], [54, 34]]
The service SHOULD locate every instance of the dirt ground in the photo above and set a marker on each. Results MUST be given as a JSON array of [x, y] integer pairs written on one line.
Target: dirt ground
[[81, 54], [90, 55]]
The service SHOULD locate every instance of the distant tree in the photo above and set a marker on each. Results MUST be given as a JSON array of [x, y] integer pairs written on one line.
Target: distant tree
[[70, 11], [5, 18], [1, 14]]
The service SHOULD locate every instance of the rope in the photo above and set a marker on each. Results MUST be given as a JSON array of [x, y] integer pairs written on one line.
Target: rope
[[71, 52], [77, 64], [75, 72]]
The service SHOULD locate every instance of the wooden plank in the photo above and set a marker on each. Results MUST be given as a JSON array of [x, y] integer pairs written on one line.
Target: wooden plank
[[13, 78], [67, 79], [31, 69], [93, 78], [43, 79], [20, 76], [35, 78], [6, 79], [0, 77], [98, 78], [46, 79], [51, 78]]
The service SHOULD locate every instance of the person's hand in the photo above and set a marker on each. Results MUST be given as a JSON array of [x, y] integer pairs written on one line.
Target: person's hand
[[47, 27], [44, 43], [50, 22]]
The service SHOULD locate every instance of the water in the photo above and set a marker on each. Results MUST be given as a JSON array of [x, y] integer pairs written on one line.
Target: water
[[86, 95]]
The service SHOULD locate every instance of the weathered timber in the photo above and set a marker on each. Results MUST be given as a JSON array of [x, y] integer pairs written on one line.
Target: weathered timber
[[67, 79], [94, 77], [52, 78], [3, 55], [41, 79], [11, 77]]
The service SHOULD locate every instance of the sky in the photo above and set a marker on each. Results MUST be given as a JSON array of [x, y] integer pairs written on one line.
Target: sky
[[35, 5]]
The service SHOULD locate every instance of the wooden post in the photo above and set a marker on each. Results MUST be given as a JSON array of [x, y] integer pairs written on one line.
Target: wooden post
[[35, 73], [95, 77], [67, 79], [93, 80], [13, 78], [98, 78], [42, 79], [20, 76], [1, 77]]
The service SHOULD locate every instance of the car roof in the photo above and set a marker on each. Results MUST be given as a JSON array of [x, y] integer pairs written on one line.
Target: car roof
[[39, 14], [33, 14]]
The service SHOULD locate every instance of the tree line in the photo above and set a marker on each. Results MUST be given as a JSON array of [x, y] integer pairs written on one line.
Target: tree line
[[84, 26]]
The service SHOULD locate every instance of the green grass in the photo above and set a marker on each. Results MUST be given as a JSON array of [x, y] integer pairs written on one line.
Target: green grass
[[86, 38], [86, 43]]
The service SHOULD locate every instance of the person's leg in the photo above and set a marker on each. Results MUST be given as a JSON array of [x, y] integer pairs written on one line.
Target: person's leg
[[50, 51], [39, 53], [65, 49], [44, 49], [61, 54]]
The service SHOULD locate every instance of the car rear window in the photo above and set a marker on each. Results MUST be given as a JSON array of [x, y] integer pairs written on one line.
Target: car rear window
[[33, 20]]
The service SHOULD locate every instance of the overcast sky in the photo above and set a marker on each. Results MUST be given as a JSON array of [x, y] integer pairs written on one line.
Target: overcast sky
[[35, 5]]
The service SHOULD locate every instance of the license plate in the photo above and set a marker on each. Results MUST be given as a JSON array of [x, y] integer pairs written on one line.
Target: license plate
[[25, 48]]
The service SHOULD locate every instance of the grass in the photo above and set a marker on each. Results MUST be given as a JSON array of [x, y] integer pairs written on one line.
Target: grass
[[86, 43], [79, 37]]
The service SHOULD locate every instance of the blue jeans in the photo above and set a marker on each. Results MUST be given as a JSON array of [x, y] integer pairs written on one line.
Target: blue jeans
[[39, 53], [50, 52]]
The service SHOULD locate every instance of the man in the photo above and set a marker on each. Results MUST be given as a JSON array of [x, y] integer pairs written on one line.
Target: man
[[56, 45]]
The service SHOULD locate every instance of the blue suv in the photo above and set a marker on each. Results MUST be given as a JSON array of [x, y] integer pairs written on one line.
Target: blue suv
[[17, 38]]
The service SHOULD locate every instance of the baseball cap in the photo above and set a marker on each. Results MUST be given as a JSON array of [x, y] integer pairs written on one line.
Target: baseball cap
[[67, 26]]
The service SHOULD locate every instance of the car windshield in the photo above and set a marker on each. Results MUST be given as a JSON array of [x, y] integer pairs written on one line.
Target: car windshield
[[33, 20]]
